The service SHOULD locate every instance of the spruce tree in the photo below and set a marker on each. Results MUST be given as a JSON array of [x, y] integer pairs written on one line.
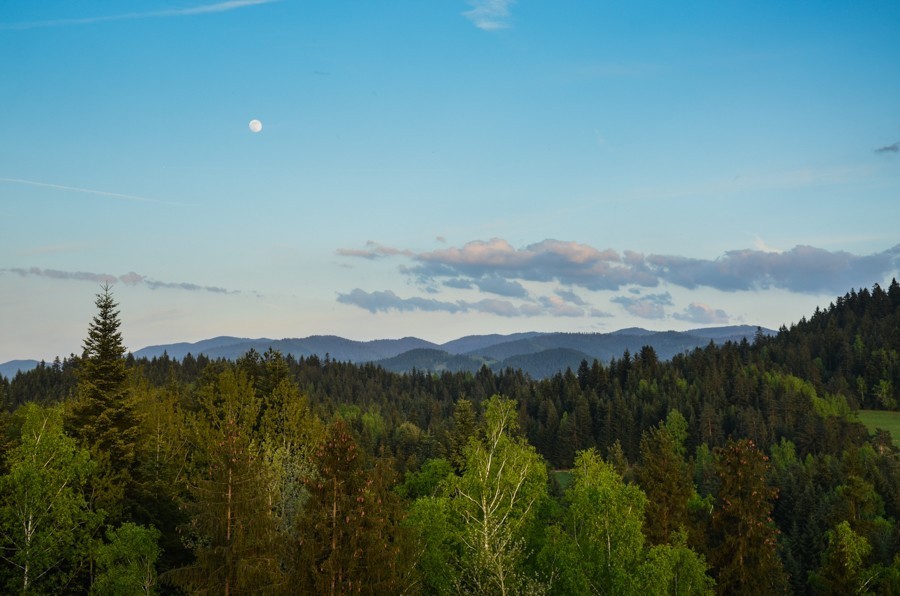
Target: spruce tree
[[745, 557], [103, 416]]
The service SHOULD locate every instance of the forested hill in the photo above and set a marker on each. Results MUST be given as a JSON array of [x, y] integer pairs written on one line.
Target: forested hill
[[734, 468], [538, 354]]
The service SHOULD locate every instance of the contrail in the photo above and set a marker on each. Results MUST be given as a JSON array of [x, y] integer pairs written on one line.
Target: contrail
[[104, 193], [204, 9]]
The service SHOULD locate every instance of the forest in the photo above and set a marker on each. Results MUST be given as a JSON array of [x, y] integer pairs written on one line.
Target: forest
[[740, 468]]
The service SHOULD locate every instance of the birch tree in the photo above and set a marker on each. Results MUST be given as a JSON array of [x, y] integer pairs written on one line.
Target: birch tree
[[45, 521], [496, 498]]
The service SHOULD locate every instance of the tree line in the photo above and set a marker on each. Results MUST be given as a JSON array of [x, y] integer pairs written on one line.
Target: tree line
[[730, 469]]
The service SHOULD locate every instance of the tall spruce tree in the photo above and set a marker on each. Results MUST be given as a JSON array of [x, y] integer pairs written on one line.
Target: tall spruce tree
[[745, 556], [103, 416]]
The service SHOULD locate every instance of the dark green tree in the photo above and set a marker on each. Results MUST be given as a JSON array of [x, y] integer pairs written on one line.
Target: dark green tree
[[232, 527], [666, 480], [464, 427], [351, 540], [103, 417], [744, 553]]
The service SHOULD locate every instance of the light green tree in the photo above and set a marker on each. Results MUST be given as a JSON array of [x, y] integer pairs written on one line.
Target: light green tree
[[126, 564], [496, 498], [46, 523], [290, 435], [604, 522], [600, 548], [842, 569], [474, 526]]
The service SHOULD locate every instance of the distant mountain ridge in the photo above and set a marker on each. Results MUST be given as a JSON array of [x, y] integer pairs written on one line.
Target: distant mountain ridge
[[538, 354], [9, 369]]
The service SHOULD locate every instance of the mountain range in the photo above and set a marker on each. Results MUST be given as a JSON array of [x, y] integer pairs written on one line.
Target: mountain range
[[538, 354]]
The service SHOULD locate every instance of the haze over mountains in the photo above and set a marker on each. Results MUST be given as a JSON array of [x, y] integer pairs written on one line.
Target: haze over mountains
[[538, 354]]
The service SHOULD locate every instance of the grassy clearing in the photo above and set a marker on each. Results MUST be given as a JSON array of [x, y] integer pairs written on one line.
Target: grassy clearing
[[564, 478], [889, 421]]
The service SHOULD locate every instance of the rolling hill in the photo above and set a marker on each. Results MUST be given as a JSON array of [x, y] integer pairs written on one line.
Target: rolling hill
[[538, 354]]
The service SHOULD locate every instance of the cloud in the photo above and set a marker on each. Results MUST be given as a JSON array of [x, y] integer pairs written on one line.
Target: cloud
[[697, 312], [459, 284], [803, 269], [570, 296], [560, 308], [102, 278], [501, 308], [372, 251], [489, 15], [651, 306], [174, 12], [569, 263], [502, 287], [496, 266], [387, 300], [131, 278], [889, 148]]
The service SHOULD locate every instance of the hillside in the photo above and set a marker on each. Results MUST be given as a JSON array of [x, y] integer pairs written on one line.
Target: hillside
[[538, 354]]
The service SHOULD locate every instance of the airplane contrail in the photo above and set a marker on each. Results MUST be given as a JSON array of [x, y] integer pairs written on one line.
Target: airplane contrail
[[115, 195], [203, 9]]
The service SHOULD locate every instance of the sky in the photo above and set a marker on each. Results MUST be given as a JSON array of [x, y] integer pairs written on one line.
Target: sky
[[440, 168]]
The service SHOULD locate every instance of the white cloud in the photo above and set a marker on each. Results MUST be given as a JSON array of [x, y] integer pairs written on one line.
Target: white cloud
[[489, 15], [697, 312], [651, 306], [495, 265]]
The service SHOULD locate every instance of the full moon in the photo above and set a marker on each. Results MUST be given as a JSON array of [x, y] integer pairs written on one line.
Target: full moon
[[255, 126]]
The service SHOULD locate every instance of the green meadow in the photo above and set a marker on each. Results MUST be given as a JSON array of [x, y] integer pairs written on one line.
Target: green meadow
[[889, 421]]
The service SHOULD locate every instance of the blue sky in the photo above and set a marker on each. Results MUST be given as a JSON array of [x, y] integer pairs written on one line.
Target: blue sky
[[440, 168]]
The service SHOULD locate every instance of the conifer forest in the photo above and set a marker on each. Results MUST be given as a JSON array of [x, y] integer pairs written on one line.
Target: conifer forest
[[740, 468]]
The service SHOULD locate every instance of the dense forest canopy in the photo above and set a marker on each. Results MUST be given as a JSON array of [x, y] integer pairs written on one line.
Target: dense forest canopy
[[740, 468]]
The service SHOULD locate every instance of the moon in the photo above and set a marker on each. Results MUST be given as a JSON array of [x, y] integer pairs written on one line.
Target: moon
[[255, 125]]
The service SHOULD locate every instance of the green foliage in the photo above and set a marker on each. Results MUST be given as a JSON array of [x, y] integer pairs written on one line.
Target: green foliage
[[425, 482], [676, 570], [351, 539], [745, 552], [434, 523], [169, 437], [666, 480], [232, 530], [496, 498], [126, 564], [46, 523], [464, 426], [103, 416], [600, 546], [603, 524], [832, 405]]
